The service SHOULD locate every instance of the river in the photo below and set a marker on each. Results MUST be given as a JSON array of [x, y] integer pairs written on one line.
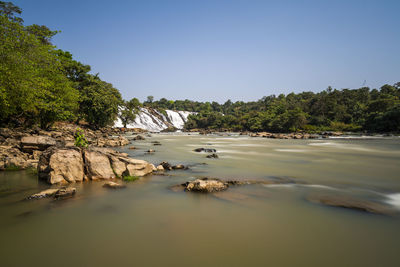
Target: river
[[147, 224]]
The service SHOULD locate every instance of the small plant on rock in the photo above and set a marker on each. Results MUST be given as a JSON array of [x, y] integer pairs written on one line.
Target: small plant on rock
[[80, 139]]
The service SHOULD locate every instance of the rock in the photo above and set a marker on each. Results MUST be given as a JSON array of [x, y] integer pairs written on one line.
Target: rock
[[111, 142], [13, 159], [36, 154], [65, 193], [166, 165], [350, 203], [98, 165], [137, 167], [207, 150], [31, 143], [118, 166], [178, 167], [123, 141], [213, 155], [61, 166], [160, 168], [150, 151], [113, 185], [206, 185], [43, 194], [132, 147], [156, 143], [138, 137]]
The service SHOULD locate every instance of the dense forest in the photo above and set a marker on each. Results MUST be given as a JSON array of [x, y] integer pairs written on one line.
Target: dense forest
[[360, 109], [41, 84]]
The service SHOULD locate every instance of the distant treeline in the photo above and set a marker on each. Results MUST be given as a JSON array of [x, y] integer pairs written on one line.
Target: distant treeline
[[40, 84], [339, 110]]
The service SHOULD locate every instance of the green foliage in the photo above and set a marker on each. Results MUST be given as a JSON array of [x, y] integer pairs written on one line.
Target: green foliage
[[128, 111], [40, 84], [80, 139], [8, 10], [33, 88], [129, 178], [99, 102], [336, 110]]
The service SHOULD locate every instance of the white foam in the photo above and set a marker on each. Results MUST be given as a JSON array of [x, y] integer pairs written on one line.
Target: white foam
[[394, 200], [157, 122]]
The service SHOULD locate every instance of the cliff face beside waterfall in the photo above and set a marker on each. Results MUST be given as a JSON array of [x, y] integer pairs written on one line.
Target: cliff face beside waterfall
[[155, 121]]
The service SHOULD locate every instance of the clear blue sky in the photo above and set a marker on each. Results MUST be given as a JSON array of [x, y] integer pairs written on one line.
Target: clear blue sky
[[219, 50]]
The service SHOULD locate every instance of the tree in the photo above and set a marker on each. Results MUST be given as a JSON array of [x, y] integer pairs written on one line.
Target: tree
[[99, 103], [32, 85], [150, 99], [43, 33], [8, 10], [128, 110]]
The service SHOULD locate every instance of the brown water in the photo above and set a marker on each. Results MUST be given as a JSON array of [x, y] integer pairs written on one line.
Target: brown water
[[149, 225]]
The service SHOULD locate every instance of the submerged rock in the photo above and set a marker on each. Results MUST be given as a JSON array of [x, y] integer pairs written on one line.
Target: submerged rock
[[178, 167], [207, 150], [206, 185], [138, 137], [166, 165], [113, 185], [45, 193], [350, 203], [65, 193], [57, 193], [213, 155]]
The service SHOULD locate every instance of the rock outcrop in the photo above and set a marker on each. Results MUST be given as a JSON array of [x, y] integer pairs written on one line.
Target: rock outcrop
[[31, 143], [61, 166], [70, 165], [12, 158]]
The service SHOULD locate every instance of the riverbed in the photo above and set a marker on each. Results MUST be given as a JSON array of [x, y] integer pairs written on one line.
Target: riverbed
[[148, 224]]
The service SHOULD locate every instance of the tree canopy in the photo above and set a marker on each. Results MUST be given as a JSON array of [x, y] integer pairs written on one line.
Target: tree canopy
[[40, 84]]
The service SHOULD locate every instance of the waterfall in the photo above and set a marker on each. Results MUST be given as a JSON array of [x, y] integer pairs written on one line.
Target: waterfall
[[154, 121]]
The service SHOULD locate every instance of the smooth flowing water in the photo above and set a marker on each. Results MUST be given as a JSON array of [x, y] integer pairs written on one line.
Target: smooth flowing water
[[147, 224]]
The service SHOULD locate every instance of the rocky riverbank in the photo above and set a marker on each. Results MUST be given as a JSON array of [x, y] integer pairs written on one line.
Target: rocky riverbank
[[22, 148]]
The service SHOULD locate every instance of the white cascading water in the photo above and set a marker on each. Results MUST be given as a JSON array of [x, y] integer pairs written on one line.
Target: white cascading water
[[148, 121]]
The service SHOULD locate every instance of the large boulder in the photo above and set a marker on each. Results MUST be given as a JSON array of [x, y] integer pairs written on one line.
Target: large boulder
[[98, 165], [31, 143], [60, 166]]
